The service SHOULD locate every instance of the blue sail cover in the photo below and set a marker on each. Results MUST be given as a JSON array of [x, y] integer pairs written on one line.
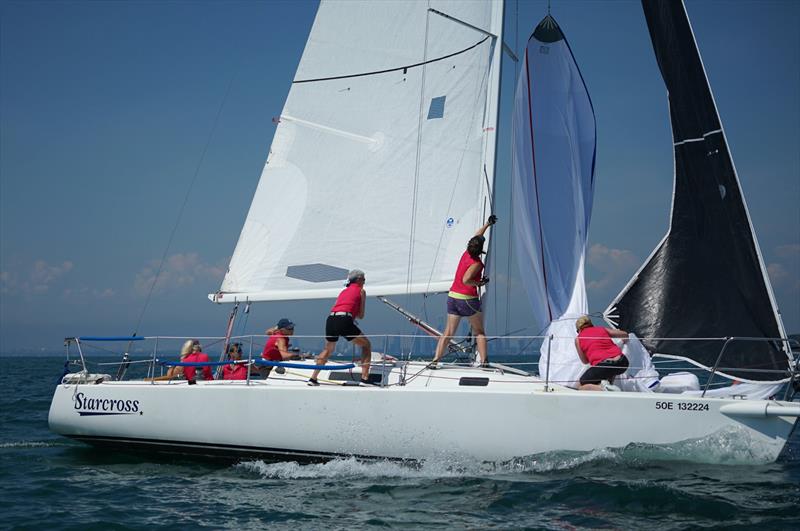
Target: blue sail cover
[[553, 155]]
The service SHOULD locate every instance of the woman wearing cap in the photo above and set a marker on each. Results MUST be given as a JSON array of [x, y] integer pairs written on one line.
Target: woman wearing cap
[[277, 347], [595, 347], [235, 371], [349, 306], [463, 299]]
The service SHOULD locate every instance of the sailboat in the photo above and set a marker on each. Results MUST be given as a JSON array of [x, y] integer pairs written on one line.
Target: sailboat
[[387, 148]]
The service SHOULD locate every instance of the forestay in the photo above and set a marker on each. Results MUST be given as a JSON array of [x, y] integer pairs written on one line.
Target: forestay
[[706, 278], [383, 157], [553, 185]]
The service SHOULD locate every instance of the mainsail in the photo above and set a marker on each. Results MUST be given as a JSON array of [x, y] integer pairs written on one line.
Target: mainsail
[[706, 279], [384, 154], [553, 157]]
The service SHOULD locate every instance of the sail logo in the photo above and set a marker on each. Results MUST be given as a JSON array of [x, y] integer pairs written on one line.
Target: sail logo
[[450, 222], [93, 407]]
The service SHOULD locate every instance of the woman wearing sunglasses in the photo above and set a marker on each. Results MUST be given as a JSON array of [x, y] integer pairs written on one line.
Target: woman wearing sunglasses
[[235, 371]]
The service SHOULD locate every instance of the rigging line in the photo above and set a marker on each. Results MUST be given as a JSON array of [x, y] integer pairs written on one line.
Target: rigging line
[[243, 323], [488, 195], [534, 338], [415, 188], [516, 37], [509, 256], [185, 202], [424, 62], [489, 253]]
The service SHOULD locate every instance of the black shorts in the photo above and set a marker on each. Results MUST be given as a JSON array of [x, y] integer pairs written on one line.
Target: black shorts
[[605, 370], [337, 326]]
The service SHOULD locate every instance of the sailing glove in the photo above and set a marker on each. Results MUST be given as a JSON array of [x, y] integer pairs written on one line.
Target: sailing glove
[[492, 220]]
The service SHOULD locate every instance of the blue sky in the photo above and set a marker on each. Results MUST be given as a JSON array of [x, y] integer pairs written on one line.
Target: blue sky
[[106, 109]]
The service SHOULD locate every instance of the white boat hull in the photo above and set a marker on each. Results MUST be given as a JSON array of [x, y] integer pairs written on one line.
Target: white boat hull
[[512, 417]]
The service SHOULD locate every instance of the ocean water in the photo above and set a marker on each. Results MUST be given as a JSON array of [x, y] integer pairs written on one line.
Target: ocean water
[[47, 481]]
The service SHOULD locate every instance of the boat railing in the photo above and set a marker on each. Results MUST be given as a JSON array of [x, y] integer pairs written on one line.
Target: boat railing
[[793, 365], [163, 354]]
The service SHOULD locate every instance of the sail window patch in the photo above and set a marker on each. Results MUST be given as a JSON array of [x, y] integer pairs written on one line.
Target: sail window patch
[[436, 110], [316, 272]]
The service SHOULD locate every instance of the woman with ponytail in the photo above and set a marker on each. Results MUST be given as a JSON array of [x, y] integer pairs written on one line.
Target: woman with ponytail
[[463, 299]]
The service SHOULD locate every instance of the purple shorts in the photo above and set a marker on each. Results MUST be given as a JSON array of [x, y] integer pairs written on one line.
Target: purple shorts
[[463, 307]]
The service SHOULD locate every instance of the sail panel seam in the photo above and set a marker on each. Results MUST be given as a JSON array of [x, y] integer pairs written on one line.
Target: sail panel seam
[[698, 139]]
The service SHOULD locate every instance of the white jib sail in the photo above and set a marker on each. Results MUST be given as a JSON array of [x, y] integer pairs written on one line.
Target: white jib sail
[[553, 158], [383, 159]]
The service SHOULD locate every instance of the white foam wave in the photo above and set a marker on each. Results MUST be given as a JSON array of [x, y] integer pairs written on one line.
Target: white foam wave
[[731, 446], [558, 461], [26, 444], [434, 468], [351, 468]]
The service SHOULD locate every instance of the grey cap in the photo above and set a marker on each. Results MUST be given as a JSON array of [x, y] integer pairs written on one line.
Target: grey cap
[[354, 275]]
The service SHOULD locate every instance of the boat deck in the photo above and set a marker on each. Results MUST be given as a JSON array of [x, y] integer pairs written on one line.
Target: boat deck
[[389, 374]]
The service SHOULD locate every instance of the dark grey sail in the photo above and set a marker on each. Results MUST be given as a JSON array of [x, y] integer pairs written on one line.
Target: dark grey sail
[[706, 278]]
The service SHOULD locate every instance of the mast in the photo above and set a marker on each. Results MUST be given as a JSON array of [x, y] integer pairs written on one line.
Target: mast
[[706, 278], [493, 99], [492, 125]]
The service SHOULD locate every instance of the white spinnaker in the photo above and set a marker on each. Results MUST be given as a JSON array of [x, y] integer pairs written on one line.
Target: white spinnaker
[[553, 172], [553, 143], [559, 361], [372, 171]]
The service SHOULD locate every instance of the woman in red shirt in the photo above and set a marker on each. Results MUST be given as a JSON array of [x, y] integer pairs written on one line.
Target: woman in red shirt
[[175, 371], [595, 347], [235, 371], [277, 346], [348, 307], [463, 299], [197, 356]]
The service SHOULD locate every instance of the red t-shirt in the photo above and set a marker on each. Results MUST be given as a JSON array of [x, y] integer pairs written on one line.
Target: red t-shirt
[[197, 357], [234, 372], [271, 351], [349, 300], [596, 343], [458, 283]]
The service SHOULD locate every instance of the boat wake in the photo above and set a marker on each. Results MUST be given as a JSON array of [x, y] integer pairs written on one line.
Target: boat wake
[[728, 447]]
